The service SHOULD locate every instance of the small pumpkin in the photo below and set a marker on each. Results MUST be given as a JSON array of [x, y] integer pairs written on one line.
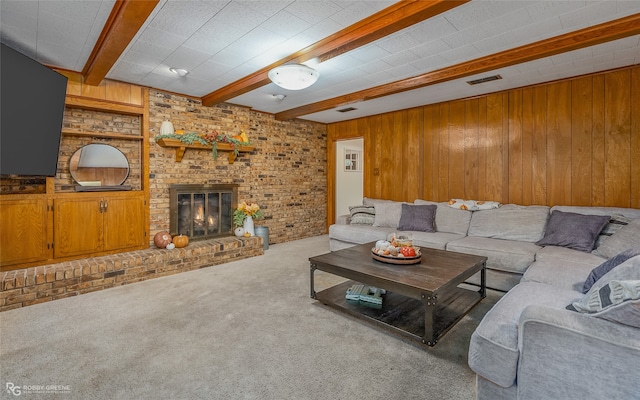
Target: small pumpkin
[[181, 241], [162, 239]]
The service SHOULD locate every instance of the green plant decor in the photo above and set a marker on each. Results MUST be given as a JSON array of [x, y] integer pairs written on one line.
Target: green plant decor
[[210, 139]]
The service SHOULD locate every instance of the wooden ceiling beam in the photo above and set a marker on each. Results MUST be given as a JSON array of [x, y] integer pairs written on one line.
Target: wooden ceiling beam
[[605, 32], [392, 19], [126, 18]]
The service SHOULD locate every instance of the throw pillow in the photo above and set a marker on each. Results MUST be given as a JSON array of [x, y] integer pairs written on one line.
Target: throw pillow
[[572, 230], [388, 214], [417, 217], [617, 301], [616, 223], [362, 215], [472, 205], [599, 271], [628, 236]]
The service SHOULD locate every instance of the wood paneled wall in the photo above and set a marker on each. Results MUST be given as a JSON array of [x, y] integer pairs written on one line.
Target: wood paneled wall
[[571, 142]]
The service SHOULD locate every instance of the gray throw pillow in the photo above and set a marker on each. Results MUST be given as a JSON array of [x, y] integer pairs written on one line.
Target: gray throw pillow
[[387, 214], [572, 230], [417, 218], [628, 236], [599, 271]]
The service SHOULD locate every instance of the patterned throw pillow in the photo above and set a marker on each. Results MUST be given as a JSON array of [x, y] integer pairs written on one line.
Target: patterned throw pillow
[[617, 301], [362, 215], [473, 205], [599, 271]]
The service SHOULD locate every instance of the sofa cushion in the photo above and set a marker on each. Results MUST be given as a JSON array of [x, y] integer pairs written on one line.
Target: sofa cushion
[[626, 238], [503, 255], [388, 214], [573, 230], [416, 217], [599, 271], [562, 267], [510, 222], [449, 219], [358, 233], [493, 350], [362, 215], [434, 240]]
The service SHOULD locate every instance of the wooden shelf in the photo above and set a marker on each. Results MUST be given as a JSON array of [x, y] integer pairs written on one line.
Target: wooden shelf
[[182, 147], [67, 132]]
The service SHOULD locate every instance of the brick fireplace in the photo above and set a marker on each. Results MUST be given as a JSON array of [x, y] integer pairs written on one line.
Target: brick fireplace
[[202, 211]]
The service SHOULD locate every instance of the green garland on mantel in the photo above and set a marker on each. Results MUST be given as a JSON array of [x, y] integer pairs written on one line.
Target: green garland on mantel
[[209, 140]]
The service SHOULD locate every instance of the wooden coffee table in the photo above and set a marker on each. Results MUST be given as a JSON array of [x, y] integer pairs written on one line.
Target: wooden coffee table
[[422, 301]]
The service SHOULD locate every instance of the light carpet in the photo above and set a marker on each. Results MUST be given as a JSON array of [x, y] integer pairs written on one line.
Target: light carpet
[[242, 330]]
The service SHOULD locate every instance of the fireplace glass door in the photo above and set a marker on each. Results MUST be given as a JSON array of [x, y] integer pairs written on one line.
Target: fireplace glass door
[[202, 212]]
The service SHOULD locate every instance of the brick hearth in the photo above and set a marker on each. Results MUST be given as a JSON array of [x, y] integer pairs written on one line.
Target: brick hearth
[[35, 285]]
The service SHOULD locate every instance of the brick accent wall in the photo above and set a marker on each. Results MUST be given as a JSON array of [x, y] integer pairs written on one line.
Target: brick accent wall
[[285, 174], [25, 287]]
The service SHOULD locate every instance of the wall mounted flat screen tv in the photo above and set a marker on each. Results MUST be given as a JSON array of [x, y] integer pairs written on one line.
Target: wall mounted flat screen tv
[[32, 108]]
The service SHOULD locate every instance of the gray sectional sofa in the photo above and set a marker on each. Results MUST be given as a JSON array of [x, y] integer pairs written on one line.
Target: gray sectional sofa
[[529, 345]]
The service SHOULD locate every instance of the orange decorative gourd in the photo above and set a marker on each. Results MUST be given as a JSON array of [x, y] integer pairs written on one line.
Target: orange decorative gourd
[[162, 239], [181, 241]]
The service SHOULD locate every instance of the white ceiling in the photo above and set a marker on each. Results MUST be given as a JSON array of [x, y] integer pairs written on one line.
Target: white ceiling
[[219, 42]]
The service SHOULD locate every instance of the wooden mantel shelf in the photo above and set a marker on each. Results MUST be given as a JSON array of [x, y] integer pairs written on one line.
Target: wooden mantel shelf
[[182, 147]]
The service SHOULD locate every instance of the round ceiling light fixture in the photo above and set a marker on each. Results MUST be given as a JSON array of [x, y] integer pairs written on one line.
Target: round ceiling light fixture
[[294, 76]]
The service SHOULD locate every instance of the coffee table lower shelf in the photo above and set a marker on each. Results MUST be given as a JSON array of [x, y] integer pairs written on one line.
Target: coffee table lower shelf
[[405, 316]]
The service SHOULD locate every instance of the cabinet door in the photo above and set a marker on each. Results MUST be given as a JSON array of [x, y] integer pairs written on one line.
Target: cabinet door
[[124, 222], [23, 232], [78, 227]]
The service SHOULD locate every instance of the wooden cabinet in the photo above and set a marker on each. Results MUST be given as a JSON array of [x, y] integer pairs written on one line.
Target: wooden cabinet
[[62, 224], [23, 232], [95, 223]]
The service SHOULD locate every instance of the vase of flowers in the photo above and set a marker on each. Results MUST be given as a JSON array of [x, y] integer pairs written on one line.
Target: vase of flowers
[[244, 216]]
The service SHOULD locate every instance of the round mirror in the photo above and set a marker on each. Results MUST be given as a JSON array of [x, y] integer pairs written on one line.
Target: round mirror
[[99, 165]]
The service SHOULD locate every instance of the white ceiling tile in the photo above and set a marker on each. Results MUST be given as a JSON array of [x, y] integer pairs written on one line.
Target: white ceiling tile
[[398, 42], [369, 52], [126, 71], [313, 11], [285, 24], [478, 12], [161, 37], [355, 11], [592, 14], [186, 58], [323, 29], [374, 66], [184, 18], [401, 58]]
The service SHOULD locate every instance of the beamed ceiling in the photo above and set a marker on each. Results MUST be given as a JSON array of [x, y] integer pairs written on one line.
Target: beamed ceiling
[[373, 56]]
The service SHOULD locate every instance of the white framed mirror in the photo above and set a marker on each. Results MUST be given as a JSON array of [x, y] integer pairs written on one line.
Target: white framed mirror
[[99, 165]]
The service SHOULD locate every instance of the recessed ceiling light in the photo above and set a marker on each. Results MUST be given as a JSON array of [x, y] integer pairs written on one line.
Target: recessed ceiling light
[[179, 71]]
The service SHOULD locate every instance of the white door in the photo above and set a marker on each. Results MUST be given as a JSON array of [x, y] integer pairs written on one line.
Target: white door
[[349, 174]]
